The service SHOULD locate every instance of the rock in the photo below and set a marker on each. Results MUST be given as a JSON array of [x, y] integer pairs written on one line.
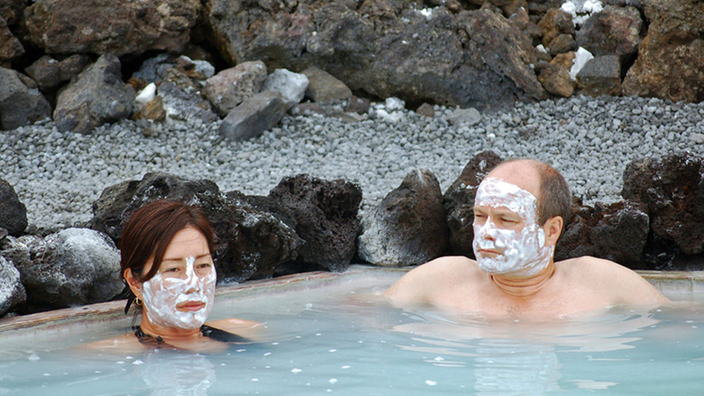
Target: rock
[[97, 96], [11, 10], [75, 266], [458, 202], [183, 104], [426, 110], [562, 43], [10, 46], [21, 103], [152, 110], [672, 190], [556, 80], [554, 23], [117, 202], [323, 87], [466, 58], [616, 232], [521, 19], [565, 60], [669, 59], [262, 239], [613, 31], [408, 227], [49, 73], [233, 86], [357, 105], [13, 213], [292, 86], [12, 292], [601, 76], [464, 117], [254, 237], [326, 218], [256, 115], [116, 27]]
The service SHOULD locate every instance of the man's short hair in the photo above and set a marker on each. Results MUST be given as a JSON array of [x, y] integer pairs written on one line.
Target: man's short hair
[[555, 197]]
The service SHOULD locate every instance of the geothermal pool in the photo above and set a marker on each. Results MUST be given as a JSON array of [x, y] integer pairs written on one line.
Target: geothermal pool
[[326, 333]]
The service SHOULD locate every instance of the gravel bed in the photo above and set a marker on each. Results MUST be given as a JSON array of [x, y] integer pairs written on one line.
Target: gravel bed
[[590, 140]]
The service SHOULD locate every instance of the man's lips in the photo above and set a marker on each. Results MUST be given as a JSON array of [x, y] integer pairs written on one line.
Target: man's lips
[[191, 306], [489, 252]]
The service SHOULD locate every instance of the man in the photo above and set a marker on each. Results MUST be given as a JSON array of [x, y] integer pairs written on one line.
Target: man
[[520, 211]]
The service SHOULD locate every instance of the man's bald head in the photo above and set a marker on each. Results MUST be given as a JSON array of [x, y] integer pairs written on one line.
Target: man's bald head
[[543, 181]]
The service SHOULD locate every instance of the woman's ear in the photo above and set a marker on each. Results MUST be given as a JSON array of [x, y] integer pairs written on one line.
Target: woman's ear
[[133, 283], [553, 229]]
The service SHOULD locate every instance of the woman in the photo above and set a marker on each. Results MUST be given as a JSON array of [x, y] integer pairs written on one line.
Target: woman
[[167, 265]]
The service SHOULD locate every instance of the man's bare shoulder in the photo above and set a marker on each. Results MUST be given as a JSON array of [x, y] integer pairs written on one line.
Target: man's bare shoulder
[[419, 284], [604, 276]]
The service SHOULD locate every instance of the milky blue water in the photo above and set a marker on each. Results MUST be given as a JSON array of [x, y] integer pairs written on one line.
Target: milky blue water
[[337, 340]]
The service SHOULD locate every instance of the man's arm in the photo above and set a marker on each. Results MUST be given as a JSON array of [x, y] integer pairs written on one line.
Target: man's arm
[[422, 284]]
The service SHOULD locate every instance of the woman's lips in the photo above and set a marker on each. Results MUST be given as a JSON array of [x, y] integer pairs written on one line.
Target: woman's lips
[[191, 306]]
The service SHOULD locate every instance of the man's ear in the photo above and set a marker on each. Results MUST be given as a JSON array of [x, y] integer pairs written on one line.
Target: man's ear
[[553, 229], [133, 283]]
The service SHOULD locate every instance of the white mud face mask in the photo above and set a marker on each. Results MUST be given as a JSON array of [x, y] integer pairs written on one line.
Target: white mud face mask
[[523, 252], [162, 296]]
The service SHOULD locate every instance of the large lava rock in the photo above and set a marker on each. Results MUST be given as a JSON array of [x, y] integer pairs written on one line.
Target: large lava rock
[[385, 48], [75, 266], [672, 189], [21, 103], [97, 96], [252, 240], [408, 227], [325, 213], [616, 232], [118, 27], [13, 213], [459, 202], [12, 292], [670, 58]]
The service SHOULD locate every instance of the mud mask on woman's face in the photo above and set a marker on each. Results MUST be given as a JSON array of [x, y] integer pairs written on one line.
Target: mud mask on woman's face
[[162, 296], [523, 252]]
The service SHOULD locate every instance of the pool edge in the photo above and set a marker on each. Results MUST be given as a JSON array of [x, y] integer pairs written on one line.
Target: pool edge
[[669, 282]]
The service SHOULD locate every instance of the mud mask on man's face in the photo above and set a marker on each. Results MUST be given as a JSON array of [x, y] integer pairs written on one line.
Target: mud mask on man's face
[[523, 252], [162, 296]]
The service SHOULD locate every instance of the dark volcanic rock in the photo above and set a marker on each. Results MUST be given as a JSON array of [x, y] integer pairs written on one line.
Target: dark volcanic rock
[[13, 213], [616, 232], [97, 96], [21, 103], [672, 189], [459, 202], [263, 238], [326, 218], [118, 27], [670, 58], [408, 227], [386, 49], [613, 31], [252, 239]]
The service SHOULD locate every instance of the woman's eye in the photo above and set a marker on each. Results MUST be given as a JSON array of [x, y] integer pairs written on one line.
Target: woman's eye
[[174, 269], [204, 265]]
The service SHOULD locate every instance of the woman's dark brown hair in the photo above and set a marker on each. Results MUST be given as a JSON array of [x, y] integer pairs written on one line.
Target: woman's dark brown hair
[[149, 232]]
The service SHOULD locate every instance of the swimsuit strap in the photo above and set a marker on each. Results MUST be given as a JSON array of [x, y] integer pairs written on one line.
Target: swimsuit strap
[[221, 335], [207, 331]]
